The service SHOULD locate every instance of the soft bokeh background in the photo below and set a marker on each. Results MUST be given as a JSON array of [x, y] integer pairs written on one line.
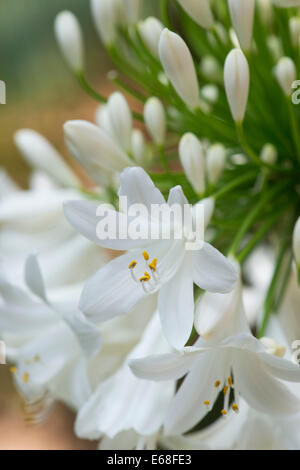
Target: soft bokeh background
[[41, 94]]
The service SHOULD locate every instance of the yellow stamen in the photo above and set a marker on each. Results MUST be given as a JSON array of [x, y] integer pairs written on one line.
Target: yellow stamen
[[225, 390], [235, 408], [230, 381], [224, 412], [153, 265], [206, 402], [13, 369], [217, 383], [26, 377], [36, 358], [132, 264], [145, 278], [146, 256]]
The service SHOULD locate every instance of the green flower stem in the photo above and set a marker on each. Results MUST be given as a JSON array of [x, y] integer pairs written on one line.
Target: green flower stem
[[269, 301], [135, 93], [251, 176], [163, 159], [164, 13], [252, 216], [90, 91], [286, 277], [295, 127]]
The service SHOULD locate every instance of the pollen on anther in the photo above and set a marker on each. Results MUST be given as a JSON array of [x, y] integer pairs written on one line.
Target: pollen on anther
[[230, 381], [153, 265], [146, 256], [225, 389], [235, 408], [224, 412], [206, 402], [217, 383], [145, 278], [13, 369], [132, 264], [26, 377]]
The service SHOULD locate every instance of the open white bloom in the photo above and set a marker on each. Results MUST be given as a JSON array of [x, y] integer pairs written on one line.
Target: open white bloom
[[211, 365], [237, 80], [285, 72], [155, 120], [41, 154], [150, 30], [95, 150], [46, 341], [120, 119], [154, 264], [69, 36], [125, 403], [200, 11], [242, 17], [106, 15], [179, 67], [216, 159], [191, 155]]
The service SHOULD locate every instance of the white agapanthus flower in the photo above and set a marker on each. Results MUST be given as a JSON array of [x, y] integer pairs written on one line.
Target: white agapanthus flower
[[123, 283]]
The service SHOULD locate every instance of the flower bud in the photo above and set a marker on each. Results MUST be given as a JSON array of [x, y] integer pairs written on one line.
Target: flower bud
[[275, 46], [242, 17], [150, 31], [41, 155], [285, 72], [269, 154], [265, 10], [139, 148], [199, 11], [132, 10], [155, 120], [69, 36], [105, 15], [192, 159], [121, 119], [210, 93], [286, 3], [102, 119], [294, 25], [296, 243], [179, 67], [94, 149], [216, 158], [237, 79], [211, 69]]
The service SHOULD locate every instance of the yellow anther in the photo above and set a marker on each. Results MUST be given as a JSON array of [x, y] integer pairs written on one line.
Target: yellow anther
[[217, 383], [13, 369], [146, 256], [206, 402], [230, 381], [235, 408], [153, 265], [224, 412], [225, 389], [36, 358], [132, 264], [26, 377], [145, 278]]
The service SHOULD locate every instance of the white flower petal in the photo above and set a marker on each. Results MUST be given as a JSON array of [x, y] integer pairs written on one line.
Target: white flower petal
[[281, 368], [214, 272], [138, 187], [34, 279]]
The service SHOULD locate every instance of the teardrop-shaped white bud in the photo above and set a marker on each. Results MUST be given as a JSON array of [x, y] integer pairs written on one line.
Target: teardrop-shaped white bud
[[150, 31], [215, 158], [41, 155], [237, 80], [294, 25], [179, 67], [242, 17], [285, 72], [139, 148], [199, 11], [269, 154], [121, 119], [105, 15], [296, 242], [211, 69], [192, 159], [155, 120], [132, 10], [69, 37], [94, 149]]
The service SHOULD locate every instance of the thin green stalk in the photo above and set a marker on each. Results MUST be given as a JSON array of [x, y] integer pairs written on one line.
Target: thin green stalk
[[295, 128], [235, 183], [269, 301], [90, 91], [164, 13], [285, 280]]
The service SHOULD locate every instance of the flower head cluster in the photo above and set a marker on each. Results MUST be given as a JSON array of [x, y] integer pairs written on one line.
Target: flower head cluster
[[145, 334]]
